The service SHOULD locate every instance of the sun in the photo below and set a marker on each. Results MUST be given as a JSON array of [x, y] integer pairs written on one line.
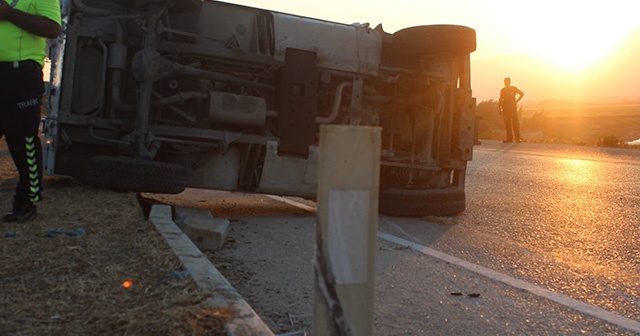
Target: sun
[[568, 34], [574, 48], [571, 56]]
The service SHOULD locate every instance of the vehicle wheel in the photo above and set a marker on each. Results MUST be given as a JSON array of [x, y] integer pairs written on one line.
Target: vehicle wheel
[[435, 39], [182, 6], [122, 173], [422, 202], [174, 6]]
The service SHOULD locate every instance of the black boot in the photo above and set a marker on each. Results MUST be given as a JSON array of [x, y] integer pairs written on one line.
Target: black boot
[[22, 212]]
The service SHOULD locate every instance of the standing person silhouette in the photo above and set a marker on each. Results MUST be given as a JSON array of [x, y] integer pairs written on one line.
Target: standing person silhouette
[[508, 105]]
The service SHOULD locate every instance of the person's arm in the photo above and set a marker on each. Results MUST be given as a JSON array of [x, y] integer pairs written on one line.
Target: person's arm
[[500, 103], [34, 24], [520, 95]]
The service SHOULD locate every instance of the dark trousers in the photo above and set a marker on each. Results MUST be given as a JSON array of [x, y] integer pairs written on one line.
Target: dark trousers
[[21, 89], [511, 124]]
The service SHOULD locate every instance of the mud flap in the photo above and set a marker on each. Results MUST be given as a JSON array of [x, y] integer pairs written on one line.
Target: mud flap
[[298, 102]]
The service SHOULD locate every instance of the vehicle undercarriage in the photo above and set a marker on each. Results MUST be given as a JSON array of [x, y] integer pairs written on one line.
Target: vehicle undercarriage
[[159, 95]]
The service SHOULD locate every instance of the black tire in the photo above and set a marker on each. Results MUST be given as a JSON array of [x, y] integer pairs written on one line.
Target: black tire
[[182, 6], [422, 202], [435, 39], [176, 6], [122, 173]]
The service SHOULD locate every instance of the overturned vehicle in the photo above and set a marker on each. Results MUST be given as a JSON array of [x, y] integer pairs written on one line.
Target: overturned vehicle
[[160, 95]]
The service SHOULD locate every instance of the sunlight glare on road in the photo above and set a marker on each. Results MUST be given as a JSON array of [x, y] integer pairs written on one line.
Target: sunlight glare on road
[[578, 172], [579, 236]]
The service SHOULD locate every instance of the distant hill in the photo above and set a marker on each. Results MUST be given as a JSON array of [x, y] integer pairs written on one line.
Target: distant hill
[[615, 78]]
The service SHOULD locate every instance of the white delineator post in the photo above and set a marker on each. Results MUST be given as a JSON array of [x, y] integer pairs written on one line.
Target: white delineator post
[[347, 222]]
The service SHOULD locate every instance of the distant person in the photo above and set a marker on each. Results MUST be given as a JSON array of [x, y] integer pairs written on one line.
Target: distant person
[[24, 27], [508, 105]]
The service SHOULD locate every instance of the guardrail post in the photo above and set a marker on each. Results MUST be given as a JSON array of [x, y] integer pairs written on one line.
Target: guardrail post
[[347, 222]]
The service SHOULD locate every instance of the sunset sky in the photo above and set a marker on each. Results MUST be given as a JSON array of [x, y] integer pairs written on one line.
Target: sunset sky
[[568, 37]]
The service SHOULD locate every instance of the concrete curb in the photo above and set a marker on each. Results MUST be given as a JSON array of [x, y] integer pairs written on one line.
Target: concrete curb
[[246, 322]]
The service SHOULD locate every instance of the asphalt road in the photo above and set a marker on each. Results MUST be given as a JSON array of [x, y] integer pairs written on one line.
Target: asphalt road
[[562, 218], [550, 240]]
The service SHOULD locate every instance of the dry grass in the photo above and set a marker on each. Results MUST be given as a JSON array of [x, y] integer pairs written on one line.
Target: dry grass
[[583, 130], [73, 285]]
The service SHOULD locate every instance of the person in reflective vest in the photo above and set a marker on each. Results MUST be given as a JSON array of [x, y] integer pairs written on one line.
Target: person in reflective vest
[[24, 27]]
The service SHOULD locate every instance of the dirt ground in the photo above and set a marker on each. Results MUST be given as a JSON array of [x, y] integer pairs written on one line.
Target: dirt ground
[[587, 130], [92, 264], [591, 129], [267, 256]]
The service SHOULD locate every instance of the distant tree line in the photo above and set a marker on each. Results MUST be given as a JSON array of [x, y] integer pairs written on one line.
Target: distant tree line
[[489, 112], [492, 123]]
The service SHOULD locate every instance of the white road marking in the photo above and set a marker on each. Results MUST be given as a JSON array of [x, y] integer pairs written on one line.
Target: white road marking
[[564, 300]]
